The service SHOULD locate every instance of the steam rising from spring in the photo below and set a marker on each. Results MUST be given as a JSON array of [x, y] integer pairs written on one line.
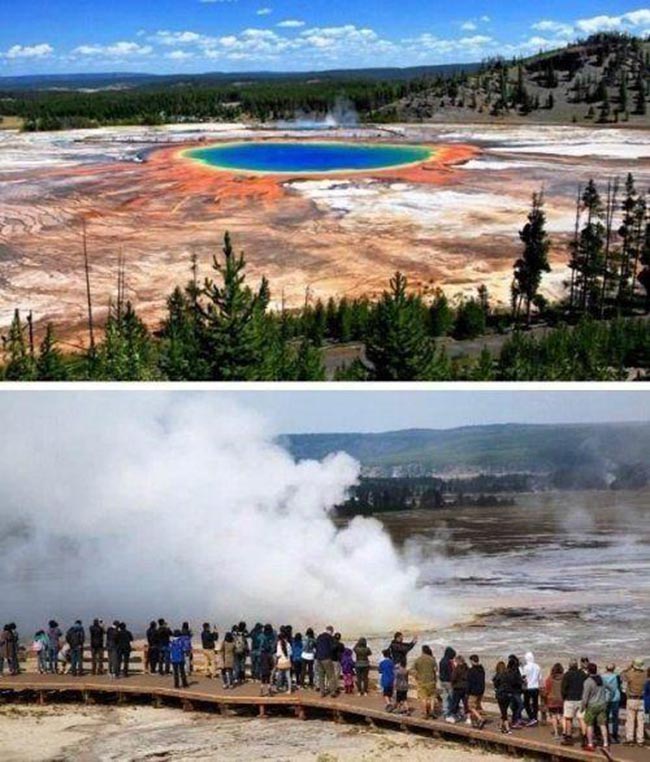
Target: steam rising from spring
[[141, 505], [342, 114]]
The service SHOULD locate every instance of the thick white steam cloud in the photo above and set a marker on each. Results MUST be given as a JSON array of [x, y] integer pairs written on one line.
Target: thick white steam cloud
[[140, 505]]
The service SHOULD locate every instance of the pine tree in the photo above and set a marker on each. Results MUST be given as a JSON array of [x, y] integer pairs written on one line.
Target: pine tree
[[641, 104], [623, 93], [470, 320], [591, 246], [181, 340], [605, 110], [398, 346], [232, 346], [627, 235], [20, 364], [50, 365], [127, 352], [308, 363], [344, 319], [441, 316], [533, 263]]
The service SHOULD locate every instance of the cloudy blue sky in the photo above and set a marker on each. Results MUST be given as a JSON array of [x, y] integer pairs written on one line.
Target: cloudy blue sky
[[366, 410], [53, 36]]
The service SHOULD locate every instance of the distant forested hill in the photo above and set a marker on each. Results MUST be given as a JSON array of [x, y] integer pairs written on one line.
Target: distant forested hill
[[566, 455], [603, 79]]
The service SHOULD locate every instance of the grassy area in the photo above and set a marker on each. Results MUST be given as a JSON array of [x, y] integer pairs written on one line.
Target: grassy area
[[10, 123]]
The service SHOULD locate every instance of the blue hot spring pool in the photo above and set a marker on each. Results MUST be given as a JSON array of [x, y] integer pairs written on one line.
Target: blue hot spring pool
[[307, 157]]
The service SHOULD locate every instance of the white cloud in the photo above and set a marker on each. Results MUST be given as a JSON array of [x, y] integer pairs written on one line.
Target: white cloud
[[469, 26], [264, 11], [179, 55], [119, 50], [291, 24], [624, 22], [28, 51], [165, 37], [556, 27]]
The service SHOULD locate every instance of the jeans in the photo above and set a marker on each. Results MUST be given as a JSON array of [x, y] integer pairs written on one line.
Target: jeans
[[154, 658], [613, 712], [227, 677], [123, 658], [239, 670], [179, 675], [255, 665], [308, 672], [445, 693], [76, 660], [53, 659], [42, 660], [297, 671], [164, 661], [531, 703], [283, 677], [97, 660], [517, 707], [457, 695]]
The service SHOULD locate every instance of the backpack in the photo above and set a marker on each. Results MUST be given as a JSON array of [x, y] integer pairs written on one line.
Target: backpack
[[75, 637], [240, 644]]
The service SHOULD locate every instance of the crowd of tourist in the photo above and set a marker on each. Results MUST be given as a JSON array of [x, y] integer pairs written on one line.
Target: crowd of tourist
[[282, 660]]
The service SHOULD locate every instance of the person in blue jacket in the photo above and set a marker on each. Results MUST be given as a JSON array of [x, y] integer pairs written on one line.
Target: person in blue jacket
[[178, 652], [646, 694], [387, 679]]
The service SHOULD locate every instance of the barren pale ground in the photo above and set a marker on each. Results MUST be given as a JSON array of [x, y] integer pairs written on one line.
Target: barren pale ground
[[102, 734], [455, 226]]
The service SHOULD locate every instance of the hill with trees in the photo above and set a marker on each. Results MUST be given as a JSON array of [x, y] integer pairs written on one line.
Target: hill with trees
[[515, 457], [604, 79]]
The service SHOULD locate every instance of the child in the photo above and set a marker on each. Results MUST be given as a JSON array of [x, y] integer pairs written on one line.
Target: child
[[347, 670], [402, 689], [64, 659], [39, 647], [178, 655], [387, 679]]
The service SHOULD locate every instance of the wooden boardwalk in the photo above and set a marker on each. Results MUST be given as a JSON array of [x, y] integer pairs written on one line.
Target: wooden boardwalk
[[208, 695]]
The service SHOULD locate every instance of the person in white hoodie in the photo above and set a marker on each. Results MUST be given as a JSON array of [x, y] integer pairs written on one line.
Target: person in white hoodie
[[532, 674]]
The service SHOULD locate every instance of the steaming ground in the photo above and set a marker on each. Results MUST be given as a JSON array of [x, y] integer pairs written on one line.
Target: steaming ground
[[152, 505], [560, 574]]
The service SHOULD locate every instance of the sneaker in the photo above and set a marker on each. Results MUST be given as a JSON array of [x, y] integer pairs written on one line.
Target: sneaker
[[450, 720], [506, 732], [468, 721], [532, 724]]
